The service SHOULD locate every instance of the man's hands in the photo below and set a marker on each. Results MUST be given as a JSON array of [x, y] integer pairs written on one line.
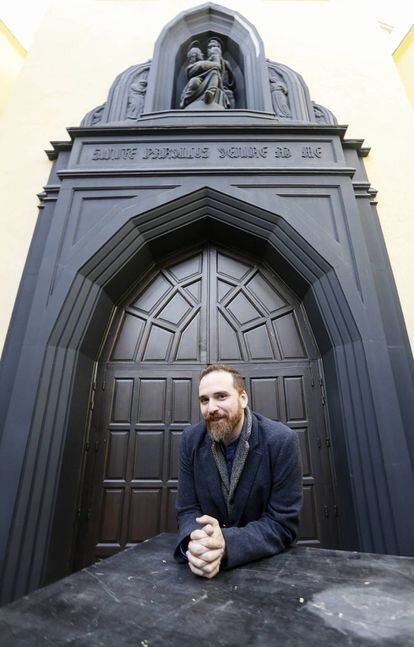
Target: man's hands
[[206, 548]]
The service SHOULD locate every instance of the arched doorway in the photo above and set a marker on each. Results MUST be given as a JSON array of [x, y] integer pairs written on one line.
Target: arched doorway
[[205, 306]]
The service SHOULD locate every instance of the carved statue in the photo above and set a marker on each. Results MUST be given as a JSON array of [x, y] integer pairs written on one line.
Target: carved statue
[[279, 92], [210, 83], [319, 113], [319, 116], [136, 99], [97, 115]]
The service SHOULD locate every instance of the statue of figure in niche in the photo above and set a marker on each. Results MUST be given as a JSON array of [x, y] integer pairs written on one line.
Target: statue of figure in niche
[[97, 115], [210, 83], [319, 115], [136, 98], [279, 92]]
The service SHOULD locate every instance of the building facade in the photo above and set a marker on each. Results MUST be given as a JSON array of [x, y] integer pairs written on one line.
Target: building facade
[[211, 208]]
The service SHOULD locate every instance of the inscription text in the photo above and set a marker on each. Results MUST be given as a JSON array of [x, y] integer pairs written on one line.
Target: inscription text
[[114, 153]]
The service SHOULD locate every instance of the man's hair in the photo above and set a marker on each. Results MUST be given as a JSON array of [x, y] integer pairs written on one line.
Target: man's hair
[[238, 380]]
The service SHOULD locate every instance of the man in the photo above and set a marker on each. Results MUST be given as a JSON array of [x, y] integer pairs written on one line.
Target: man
[[240, 480]]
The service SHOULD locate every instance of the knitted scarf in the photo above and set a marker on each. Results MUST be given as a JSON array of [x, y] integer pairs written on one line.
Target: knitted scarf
[[229, 487]]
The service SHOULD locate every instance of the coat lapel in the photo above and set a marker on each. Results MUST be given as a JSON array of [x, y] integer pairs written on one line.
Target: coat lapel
[[209, 477], [248, 475]]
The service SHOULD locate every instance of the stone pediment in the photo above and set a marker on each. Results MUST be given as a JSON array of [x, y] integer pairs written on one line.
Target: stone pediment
[[187, 73]]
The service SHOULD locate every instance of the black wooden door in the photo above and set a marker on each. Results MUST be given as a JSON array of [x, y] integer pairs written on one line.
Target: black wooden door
[[206, 307]]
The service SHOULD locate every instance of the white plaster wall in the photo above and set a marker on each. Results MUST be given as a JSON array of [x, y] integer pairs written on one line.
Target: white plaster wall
[[82, 45], [11, 61]]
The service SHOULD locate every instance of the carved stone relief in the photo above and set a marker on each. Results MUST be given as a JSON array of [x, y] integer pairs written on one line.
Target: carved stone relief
[[201, 75], [210, 84], [323, 115], [93, 117], [125, 100], [291, 99], [280, 95], [136, 98], [96, 115]]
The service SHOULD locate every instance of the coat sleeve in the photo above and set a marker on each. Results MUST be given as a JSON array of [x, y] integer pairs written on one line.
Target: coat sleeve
[[277, 528], [187, 506]]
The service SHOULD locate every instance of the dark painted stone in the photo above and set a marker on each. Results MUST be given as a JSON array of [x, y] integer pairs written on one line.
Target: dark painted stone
[[138, 183], [141, 597]]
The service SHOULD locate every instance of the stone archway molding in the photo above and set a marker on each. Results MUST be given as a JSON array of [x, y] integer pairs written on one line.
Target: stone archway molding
[[215, 19], [91, 284]]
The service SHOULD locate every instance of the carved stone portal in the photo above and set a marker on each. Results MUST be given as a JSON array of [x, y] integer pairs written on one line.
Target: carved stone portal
[[208, 64], [210, 84]]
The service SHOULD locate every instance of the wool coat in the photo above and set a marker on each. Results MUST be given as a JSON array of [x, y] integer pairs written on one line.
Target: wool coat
[[267, 500]]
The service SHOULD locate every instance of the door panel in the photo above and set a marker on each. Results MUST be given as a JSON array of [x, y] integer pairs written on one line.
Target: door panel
[[289, 393], [209, 306], [137, 455]]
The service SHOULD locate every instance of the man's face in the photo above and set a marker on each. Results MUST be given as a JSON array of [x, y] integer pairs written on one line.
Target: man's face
[[222, 406]]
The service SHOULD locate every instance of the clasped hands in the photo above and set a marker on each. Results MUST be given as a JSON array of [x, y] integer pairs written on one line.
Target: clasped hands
[[206, 548]]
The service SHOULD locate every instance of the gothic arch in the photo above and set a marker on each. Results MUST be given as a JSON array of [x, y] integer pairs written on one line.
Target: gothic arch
[[208, 19], [94, 282], [91, 297]]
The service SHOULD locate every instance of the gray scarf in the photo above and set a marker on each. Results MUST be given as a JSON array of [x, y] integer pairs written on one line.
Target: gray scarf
[[229, 487]]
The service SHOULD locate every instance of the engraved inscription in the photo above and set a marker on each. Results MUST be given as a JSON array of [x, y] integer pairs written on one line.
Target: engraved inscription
[[180, 152], [311, 152], [114, 153], [295, 152], [243, 151], [283, 151]]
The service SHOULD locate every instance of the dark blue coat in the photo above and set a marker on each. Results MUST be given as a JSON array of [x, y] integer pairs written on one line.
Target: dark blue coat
[[267, 500]]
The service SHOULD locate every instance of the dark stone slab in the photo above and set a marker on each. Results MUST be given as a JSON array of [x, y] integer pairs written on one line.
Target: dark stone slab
[[141, 597]]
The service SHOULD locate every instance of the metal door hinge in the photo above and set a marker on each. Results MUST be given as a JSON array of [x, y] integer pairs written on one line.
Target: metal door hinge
[[335, 511], [323, 398], [93, 391], [312, 378], [326, 512]]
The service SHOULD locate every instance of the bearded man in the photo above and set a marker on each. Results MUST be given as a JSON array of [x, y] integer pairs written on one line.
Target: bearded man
[[239, 483]]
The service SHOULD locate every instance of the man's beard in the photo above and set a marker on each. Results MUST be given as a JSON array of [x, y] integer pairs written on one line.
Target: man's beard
[[221, 428]]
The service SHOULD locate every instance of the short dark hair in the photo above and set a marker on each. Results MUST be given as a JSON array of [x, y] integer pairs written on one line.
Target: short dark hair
[[238, 380]]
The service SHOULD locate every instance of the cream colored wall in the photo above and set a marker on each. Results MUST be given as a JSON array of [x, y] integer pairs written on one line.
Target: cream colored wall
[[82, 45], [404, 60], [12, 56]]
